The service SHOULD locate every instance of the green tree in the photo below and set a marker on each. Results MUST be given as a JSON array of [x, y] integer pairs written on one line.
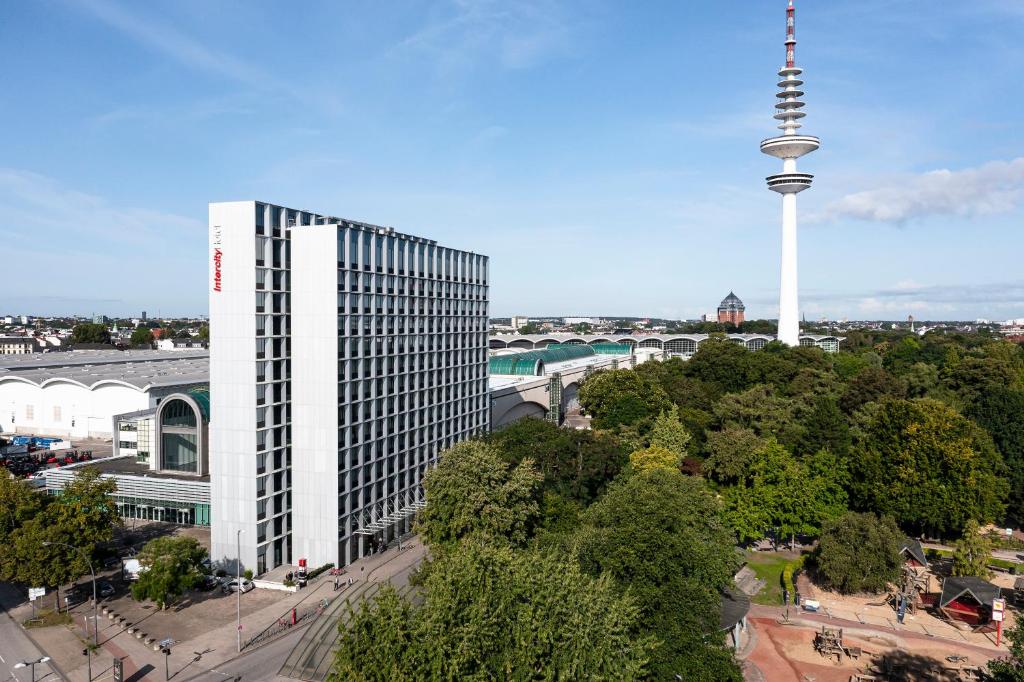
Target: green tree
[[859, 553], [870, 385], [763, 411], [663, 538], [581, 328], [1009, 668], [731, 451], [928, 467], [669, 433], [472, 491], [655, 457], [722, 363], [530, 328], [621, 397], [975, 377], [782, 493], [999, 412], [142, 336], [204, 333], [82, 516], [492, 613], [575, 464], [825, 428], [88, 332], [173, 565], [972, 552]]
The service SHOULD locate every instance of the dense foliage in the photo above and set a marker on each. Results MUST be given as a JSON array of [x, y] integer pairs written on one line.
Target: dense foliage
[[859, 553], [557, 554], [474, 492], [173, 565], [494, 613], [663, 535], [82, 516], [89, 332]]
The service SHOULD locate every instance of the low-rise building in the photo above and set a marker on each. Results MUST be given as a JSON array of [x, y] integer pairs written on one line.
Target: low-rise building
[[76, 394]]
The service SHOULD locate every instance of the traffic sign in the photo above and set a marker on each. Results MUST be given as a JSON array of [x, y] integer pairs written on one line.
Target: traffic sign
[[36, 592], [998, 604]]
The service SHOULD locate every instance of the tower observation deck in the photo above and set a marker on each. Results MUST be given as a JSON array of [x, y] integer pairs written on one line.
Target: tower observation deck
[[789, 146]]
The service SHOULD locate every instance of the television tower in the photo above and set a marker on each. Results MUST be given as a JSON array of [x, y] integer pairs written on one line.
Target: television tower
[[789, 147]]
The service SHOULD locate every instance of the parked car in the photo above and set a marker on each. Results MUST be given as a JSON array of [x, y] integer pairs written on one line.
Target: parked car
[[111, 562], [104, 588], [232, 585], [209, 582], [74, 597]]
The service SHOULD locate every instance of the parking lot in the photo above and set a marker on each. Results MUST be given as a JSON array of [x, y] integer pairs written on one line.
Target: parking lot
[[25, 459]]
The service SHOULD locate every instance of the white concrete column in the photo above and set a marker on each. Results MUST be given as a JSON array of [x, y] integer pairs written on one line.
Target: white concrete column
[[789, 306]]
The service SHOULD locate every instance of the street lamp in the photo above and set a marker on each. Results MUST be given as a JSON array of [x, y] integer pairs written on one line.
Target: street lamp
[[238, 588], [95, 602], [32, 664]]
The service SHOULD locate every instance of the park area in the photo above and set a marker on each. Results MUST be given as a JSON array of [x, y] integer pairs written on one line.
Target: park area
[[857, 637]]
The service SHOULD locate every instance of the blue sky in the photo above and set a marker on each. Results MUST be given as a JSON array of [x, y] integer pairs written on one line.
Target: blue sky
[[604, 154]]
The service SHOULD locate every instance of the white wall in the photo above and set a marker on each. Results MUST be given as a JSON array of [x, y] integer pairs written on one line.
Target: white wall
[[233, 381], [83, 412], [314, 318]]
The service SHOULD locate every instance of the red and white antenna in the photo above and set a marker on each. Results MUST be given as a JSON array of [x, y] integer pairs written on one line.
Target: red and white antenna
[[790, 35]]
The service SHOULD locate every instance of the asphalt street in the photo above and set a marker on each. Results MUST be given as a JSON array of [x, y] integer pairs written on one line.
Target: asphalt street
[[260, 664], [15, 646]]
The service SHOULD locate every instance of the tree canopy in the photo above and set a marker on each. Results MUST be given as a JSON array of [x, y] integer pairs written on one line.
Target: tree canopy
[[88, 332], [173, 565], [662, 536], [928, 467], [494, 613], [621, 397], [859, 553], [473, 491]]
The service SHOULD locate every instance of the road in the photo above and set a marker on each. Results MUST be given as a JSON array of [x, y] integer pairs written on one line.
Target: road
[[15, 646], [261, 663]]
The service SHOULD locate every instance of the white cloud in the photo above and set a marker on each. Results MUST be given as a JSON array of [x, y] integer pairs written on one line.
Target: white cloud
[[39, 210], [995, 187], [516, 35]]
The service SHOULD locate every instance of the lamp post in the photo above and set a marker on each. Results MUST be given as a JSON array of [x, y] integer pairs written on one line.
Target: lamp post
[[32, 665], [238, 588], [95, 603]]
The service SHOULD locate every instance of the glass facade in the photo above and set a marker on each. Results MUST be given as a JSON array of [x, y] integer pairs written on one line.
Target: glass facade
[[179, 452]]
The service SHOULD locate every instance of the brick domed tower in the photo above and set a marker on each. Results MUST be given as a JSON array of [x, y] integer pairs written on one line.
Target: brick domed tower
[[731, 310]]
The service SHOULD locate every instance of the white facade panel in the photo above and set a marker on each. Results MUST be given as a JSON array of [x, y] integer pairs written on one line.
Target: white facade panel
[[315, 393], [232, 380]]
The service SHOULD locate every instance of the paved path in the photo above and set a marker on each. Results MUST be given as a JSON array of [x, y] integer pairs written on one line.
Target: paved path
[[15, 644]]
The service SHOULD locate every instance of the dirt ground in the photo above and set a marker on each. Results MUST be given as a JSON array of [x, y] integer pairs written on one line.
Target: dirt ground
[[786, 652]]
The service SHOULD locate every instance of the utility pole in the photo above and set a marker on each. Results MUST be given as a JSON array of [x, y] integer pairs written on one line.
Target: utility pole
[[238, 588]]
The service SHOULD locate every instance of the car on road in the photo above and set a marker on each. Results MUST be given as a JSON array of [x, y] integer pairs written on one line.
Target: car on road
[[104, 588], [232, 585], [209, 582], [112, 562]]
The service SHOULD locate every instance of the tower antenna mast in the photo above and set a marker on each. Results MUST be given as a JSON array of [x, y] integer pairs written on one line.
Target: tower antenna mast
[[789, 146]]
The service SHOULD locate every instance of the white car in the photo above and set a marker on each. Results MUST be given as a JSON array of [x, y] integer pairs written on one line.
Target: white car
[[232, 585]]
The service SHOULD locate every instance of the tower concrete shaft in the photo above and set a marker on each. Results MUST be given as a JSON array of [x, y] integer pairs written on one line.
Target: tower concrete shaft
[[789, 147]]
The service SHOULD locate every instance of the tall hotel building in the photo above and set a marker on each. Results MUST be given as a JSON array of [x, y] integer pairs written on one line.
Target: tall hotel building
[[343, 358]]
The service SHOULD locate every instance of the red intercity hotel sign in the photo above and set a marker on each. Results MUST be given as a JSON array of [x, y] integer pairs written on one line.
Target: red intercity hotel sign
[[217, 257]]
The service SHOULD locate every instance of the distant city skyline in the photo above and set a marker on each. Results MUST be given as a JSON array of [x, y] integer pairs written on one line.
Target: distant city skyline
[[602, 154]]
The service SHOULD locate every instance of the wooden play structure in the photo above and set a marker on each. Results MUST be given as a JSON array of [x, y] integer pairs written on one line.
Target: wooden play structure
[[829, 643]]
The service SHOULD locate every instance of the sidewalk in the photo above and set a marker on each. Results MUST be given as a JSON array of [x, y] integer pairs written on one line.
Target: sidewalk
[[209, 649]]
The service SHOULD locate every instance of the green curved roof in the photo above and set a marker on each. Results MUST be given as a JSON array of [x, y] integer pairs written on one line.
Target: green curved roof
[[612, 348], [202, 397], [531, 363]]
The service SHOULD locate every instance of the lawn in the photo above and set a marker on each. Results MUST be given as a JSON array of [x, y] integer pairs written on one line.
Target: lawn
[[769, 566]]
